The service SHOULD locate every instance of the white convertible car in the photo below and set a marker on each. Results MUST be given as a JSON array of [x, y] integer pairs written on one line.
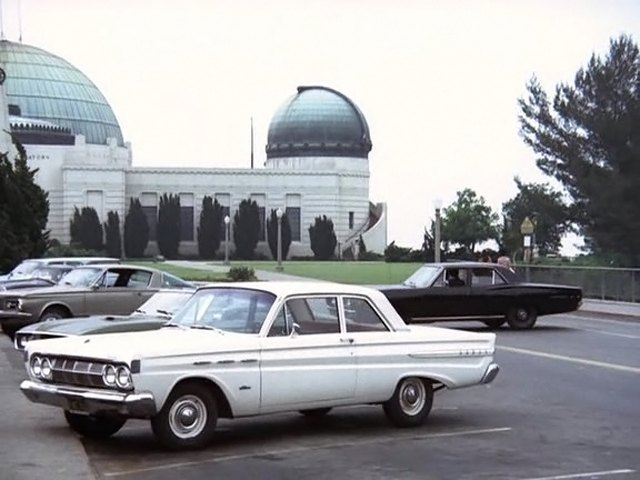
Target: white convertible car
[[238, 350]]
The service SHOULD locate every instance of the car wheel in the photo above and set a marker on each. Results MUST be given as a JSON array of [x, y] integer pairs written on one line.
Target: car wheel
[[521, 318], [188, 418], [314, 413], [54, 313], [495, 323], [94, 426], [411, 402], [9, 329]]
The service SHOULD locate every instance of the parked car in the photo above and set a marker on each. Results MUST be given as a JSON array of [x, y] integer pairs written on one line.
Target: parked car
[[487, 292], [237, 350], [26, 268], [111, 289], [40, 277], [151, 315]]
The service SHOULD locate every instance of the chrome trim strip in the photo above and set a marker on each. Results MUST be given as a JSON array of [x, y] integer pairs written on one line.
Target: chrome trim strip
[[467, 317]]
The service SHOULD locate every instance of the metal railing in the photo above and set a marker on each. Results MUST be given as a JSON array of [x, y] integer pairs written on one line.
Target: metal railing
[[617, 284]]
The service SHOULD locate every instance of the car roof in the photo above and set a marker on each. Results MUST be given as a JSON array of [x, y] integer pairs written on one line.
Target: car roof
[[294, 287]]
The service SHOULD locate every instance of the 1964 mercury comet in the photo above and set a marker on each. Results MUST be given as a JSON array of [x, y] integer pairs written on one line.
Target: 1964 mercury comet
[[256, 348]]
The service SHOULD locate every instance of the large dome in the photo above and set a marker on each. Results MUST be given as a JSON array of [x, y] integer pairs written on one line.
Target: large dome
[[318, 121], [47, 87]]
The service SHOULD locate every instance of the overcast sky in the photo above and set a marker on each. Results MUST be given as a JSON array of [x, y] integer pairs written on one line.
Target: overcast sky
[[437, 81]]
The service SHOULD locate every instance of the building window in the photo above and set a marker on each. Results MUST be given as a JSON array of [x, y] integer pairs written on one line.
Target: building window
[[293, 215], [293, 203], [350, 220], [149, 202], [186, 217]]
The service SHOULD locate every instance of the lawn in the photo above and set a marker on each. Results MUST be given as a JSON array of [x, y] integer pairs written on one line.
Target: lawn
[[364, 273]]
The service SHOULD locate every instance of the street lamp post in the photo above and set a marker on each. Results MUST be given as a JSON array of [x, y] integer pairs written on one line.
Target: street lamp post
[[438, 205], [279, 243], [227, 221]]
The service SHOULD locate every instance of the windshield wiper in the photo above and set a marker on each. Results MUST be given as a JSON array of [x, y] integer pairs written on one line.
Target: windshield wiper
[[164, 312], [137, 310], [173, 325], [206, 327]]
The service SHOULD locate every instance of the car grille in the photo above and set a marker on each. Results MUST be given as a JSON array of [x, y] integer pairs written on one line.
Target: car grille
[[79, 372]]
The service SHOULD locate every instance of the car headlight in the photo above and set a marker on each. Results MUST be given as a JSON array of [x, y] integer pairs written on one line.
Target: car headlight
[[109, 376], [123, 377], [36, 366], [45, 369]]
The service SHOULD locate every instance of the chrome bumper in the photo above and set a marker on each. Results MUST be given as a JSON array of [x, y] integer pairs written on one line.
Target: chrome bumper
[[491, 373], [91, 401]]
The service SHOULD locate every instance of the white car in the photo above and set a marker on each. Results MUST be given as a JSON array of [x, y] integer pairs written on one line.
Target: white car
[[243, 349]]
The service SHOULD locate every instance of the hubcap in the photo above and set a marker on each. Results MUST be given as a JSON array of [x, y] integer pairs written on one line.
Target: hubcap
[[413, 396], [187, 416], [522, 314]]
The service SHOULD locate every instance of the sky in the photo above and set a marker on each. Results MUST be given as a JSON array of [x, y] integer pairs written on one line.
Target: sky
[[437, 81]]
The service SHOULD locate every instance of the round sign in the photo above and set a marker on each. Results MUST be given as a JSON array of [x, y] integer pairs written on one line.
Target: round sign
[[527, 226]]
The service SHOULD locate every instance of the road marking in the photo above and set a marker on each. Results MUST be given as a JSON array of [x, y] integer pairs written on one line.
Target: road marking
[[613, 334], [587, 318], [581, 361], [286, 451], [607, 473]]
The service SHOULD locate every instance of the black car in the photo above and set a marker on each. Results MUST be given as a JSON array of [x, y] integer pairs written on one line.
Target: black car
[[487, 292]]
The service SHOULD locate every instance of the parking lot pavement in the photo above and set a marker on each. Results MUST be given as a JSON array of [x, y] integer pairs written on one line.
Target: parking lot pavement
[[564, 406], [34, 440]]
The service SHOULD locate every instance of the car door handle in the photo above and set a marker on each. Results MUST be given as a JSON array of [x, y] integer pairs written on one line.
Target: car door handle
[[346, 340]]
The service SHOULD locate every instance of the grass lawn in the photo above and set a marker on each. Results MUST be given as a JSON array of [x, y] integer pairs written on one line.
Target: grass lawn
[[363, 273]]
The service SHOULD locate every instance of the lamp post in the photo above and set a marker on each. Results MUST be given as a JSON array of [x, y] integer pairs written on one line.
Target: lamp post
[[227, 221], [279, 243], [437, 203]]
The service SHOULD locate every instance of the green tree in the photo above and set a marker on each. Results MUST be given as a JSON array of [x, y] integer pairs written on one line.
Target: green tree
[[272, 235], [545, 207], [24, 209], [112, 233], [210, 228], [469, 221], [246, 229], [588, 139], [85, 229], [168, 232], [136, 230], [323, 238]]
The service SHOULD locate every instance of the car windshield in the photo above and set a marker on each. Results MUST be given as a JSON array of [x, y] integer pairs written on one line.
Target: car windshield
[[423, 277], [48, 273], [81, 277], [239, 310], [164, 303], [25, 268]]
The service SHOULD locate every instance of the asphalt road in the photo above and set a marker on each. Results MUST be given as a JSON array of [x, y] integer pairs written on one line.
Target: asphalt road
[[566, 405]]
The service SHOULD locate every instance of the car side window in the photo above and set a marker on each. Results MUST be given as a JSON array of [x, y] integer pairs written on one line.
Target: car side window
[[139, 279], [169, 281], [312, 315], [360, 316], [486, 276]]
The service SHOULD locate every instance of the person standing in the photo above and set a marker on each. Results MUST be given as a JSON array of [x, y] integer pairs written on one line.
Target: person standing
[[504, 260]]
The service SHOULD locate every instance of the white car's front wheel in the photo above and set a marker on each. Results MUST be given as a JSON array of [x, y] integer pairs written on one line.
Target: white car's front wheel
[[188, 418], [411, 402]]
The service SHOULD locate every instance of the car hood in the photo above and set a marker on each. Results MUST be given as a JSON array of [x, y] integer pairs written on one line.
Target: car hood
[[95, 324], [125, 347], [45, 291]]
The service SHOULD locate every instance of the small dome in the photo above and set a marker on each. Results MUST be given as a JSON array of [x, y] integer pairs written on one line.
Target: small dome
[[318, 121], [47, 87]]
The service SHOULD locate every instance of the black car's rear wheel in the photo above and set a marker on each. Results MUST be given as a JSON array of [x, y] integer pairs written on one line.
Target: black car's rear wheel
[[94, 426], [522, 318], [411, 402], [495, 322]]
